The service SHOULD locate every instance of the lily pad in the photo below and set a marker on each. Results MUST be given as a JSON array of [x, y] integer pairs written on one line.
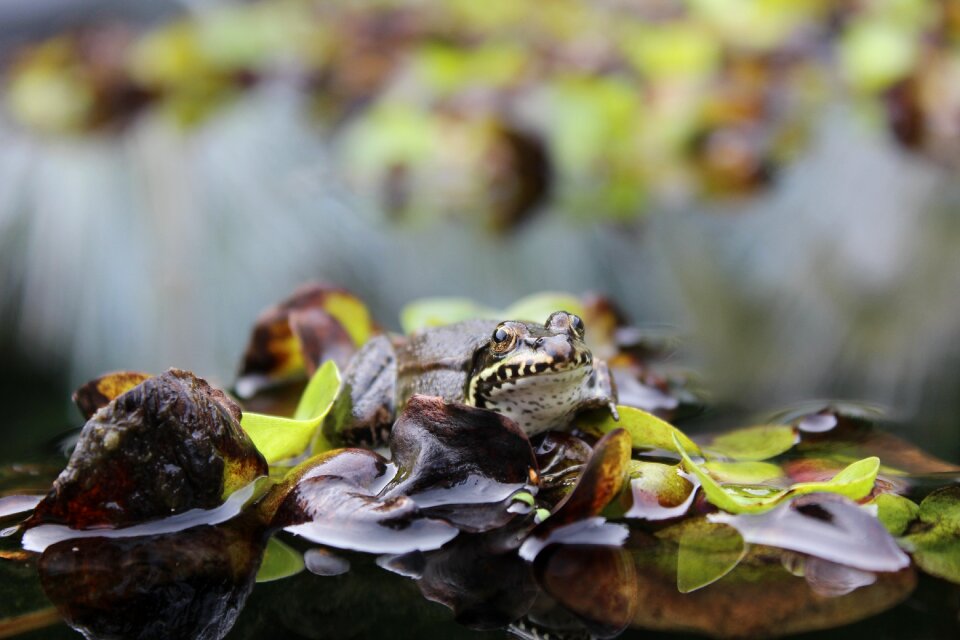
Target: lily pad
[[646, 430], [934, 541], [855, 482], [754, 443], [171, 444], [282, 438], [279, 561]]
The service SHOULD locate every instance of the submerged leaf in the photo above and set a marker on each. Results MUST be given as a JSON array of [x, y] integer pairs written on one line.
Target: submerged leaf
[[706, 552], [282, 438], [279, 561], [646, 430], [754, 443]]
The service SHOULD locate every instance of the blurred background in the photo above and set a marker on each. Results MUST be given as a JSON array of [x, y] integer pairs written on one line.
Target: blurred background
[[774, 179]]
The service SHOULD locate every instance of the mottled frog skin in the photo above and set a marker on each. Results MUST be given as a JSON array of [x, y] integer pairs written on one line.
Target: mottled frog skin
[[537, 375]]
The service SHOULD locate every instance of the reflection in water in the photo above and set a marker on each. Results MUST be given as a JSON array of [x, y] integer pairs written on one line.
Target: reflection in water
[[189, 584]]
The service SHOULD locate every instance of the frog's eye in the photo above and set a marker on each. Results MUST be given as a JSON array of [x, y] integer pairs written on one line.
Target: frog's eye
[[502, 338], [577, 325]]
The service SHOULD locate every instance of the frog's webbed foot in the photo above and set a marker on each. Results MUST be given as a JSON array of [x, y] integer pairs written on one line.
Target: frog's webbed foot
[[363, 412], [600, 389]]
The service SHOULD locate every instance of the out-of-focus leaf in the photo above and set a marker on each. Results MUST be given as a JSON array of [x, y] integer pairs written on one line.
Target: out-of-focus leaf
[[895, 512], [282, 438], [538, 307], [855, 482], [874, 54], [646, 430], [754, 443], [279, 561], [100, 391], [936, 545], [435, 312]]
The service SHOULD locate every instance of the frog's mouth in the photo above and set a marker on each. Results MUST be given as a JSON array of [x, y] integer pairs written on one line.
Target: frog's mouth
[[552, 377]]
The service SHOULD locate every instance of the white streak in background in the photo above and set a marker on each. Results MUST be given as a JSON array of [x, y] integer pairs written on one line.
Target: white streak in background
[[40, 537], [593, 531], [843, 277], [852, 537]]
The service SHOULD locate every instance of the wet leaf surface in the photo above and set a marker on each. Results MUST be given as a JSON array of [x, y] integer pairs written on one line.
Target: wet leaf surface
[[451, 457], [656, 491], [827, 526], [169, 445]]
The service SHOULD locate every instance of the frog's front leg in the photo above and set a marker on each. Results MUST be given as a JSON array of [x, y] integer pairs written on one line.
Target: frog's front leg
[[364, 411], [599, 389]]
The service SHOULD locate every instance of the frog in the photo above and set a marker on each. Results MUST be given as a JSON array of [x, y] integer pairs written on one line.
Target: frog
[[537, 375]]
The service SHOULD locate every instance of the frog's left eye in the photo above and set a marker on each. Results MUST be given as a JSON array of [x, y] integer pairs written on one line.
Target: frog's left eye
[[577, 325]]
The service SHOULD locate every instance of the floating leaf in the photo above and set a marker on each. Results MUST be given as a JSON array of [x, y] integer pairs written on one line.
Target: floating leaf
[[646, 430], [706, 552], [538, 307], [744, 472], [936, 546], [282, 438], [279, 561], [855, 482], [895, 512], [754, 443]]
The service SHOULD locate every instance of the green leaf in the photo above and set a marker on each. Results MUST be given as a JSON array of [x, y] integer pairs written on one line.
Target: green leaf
[[936, 547], [281, 438], [646, 430], [523, 496], [706, 553], [754, 443], [538, 307], [854, 482], [435, 312], [279, 561], [895, 512], [744, 472]]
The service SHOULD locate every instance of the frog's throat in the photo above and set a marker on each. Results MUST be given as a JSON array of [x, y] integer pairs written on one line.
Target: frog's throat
[[491, 380]]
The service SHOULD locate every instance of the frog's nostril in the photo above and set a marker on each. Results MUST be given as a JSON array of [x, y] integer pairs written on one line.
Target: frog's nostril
[[538, 344]]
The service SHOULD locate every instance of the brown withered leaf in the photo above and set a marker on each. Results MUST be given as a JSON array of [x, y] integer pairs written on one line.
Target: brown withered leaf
[[98, 393]]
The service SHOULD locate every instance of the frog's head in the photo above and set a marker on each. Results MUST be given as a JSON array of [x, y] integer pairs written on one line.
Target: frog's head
[[538, 375]]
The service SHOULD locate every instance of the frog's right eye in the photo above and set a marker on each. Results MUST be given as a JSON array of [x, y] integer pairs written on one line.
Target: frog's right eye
[[502, 339]]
